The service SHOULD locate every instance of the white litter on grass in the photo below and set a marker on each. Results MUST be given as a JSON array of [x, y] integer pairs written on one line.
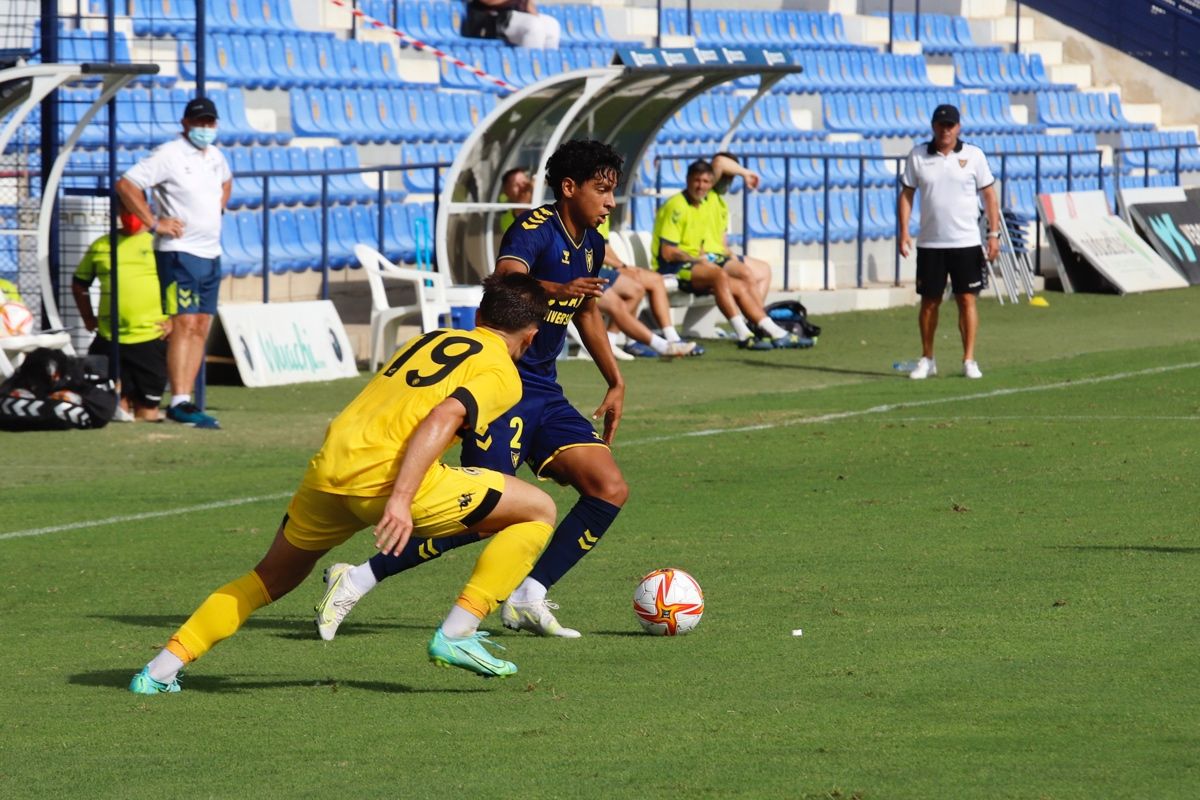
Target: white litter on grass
[[798, 632]]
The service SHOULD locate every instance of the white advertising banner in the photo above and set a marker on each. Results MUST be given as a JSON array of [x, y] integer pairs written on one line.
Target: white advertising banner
[[1127, 262], [278, 343]]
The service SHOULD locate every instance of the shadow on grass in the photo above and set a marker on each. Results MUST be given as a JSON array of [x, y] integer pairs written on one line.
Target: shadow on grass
[[1124, 548], [637, 634], [118, 679], [297, 630], [870, 373]]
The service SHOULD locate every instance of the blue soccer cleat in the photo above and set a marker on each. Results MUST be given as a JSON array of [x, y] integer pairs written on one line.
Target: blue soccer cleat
[[640, 350], [792, 340], [754, 343], [142, 683], [470, 654], [188, 414]]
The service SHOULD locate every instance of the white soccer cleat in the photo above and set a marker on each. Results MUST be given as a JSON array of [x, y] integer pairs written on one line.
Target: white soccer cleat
[[620, 355], [971, 369], [675, 349], [925, 368], [340, 597], [536, 617]]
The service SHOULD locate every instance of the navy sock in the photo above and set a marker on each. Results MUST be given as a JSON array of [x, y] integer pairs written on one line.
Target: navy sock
[[574, 538], [417, 552]]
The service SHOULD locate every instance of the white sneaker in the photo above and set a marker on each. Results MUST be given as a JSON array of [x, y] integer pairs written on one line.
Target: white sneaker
[[971, 369], [121, 415], [675, 349], [925, 368], [340, 597], [620, 354], [535, 617]]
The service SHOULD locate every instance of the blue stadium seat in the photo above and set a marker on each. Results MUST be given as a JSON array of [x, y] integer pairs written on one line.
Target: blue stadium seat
[[308, 223], [299, 257], [284, 188], [419, 180], [366, 226], [246, 191], [369, 117], [342, 238], [283, 246], [234, 258], [249, 225], [163, 17]]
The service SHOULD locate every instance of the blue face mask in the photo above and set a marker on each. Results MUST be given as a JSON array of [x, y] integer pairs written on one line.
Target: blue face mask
[[202, 137]]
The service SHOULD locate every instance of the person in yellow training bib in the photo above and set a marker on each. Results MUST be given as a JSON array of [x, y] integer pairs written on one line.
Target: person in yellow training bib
[[381, 465], [143, 326]]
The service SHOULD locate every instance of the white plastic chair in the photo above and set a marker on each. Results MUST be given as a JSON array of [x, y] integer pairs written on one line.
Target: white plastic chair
[[434, 299]]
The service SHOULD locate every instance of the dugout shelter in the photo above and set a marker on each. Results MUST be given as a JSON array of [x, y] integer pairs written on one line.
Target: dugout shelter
[[623, 105]]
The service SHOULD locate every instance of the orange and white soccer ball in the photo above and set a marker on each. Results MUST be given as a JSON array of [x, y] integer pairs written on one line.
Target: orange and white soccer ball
[[15, 319], [668, 602]]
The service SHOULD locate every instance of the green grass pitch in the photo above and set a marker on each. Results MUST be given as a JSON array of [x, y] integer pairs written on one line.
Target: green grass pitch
[[996, 582]]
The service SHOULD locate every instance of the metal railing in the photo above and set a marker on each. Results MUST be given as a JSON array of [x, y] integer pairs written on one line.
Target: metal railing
[[1095, 174], [424, 249]]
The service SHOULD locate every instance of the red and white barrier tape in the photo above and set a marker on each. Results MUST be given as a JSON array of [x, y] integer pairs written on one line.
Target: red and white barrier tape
[[417, 43]]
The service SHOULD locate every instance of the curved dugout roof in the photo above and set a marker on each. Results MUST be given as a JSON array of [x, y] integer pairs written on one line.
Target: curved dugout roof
[[623, 105]]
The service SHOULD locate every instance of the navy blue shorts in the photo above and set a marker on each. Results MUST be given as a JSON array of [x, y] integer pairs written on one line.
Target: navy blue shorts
[[535, 430], [189, 283]]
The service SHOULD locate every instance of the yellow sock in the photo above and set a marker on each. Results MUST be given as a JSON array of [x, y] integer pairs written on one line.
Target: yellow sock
[[219, 616], [502, 566]]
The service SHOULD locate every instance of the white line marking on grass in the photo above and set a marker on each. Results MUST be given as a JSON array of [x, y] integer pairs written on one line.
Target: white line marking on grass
[[166, 512], [883, 409], [1048, 418]]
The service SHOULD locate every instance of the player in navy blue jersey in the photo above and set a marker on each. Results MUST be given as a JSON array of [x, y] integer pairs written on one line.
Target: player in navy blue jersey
[[557, 244]]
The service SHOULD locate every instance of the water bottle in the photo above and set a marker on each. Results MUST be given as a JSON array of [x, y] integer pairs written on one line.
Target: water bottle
[[904, 366]]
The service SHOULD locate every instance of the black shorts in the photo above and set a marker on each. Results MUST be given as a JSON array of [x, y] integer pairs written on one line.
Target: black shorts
[[143, 369], [966, 267]]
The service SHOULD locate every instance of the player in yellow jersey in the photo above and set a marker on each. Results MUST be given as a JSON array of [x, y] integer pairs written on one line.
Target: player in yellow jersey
[[380, 465]]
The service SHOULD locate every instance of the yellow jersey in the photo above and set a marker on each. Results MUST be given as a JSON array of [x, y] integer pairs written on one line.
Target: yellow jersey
[[365, 444], [680, 223]]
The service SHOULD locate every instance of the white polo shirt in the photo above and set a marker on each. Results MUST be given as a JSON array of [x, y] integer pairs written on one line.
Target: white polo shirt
[[186, 183], [949, 186]]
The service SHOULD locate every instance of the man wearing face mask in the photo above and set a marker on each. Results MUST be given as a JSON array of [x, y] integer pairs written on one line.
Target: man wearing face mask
[[143, 326], [190, 181]]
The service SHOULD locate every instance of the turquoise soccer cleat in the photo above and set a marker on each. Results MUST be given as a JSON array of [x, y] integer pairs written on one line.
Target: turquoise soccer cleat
[[142, 683], [470, 654]]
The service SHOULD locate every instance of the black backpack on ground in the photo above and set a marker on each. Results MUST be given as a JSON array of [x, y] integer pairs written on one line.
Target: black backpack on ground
[[52, 391], [793, 318]]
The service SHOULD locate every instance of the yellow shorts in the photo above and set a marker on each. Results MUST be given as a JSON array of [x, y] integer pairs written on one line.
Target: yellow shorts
[[449, 500]]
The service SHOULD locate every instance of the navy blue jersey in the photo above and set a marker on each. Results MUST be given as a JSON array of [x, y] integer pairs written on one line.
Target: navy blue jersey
[[539, 240]]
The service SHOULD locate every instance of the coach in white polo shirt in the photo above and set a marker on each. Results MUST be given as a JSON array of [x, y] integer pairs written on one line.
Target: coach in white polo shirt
[[190, 181], [951, 175]]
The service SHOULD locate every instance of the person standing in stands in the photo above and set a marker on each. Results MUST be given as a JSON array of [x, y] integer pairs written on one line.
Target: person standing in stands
[[191, 181], [518, 22], [951, 175], [143, 326]]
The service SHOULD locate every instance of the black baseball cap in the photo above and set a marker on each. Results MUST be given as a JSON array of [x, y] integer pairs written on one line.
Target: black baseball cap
[[945, 113], [199, 107]]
